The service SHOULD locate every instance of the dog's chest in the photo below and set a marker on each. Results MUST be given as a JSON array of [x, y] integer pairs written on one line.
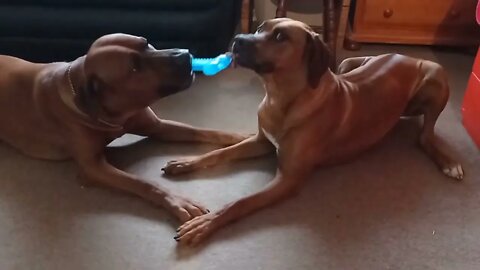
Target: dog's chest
[[270, 120], [270, 137]]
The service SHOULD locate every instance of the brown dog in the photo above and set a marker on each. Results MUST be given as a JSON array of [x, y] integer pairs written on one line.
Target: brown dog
[[314, 117], [73, 110]]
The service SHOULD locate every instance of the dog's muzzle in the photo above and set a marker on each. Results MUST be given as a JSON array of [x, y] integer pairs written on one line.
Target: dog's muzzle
[[245, 52]]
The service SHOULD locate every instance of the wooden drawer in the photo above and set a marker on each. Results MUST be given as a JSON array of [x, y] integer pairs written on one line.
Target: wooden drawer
[[417, 13], [416, 21]]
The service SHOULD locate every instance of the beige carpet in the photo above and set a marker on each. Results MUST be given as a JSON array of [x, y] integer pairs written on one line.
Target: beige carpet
[[390, 209]]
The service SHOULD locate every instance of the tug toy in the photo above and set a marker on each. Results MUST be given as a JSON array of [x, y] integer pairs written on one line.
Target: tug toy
[[211, 66]]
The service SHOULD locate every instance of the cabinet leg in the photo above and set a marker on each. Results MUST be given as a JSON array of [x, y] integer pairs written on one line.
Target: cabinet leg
[[281, 11], [331, 18], [351, 45], [348, 43]]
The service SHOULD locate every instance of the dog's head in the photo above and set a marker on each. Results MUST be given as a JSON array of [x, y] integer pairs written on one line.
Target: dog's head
[[283, 45], [124, 73]]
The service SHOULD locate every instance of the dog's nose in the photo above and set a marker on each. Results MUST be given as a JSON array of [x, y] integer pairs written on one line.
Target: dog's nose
[[243, 41], [178, 52], [182, 57], [239, 40]]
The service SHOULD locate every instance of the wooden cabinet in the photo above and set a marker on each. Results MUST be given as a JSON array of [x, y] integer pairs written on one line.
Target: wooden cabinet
[[443, 22]]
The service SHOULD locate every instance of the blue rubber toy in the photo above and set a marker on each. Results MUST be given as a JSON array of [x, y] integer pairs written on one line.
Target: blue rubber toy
[[211, 66]]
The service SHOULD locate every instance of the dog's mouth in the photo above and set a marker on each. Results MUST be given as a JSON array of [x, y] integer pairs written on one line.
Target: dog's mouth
[[243, 60], [183, 82], [249, 60], [187, 81], [234, 60], [236, 55]]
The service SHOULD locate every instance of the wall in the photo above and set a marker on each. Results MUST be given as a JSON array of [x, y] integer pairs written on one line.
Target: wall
[[308, 11]]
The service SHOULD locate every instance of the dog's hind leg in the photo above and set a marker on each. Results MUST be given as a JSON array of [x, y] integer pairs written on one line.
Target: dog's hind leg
[[432, 98], [352, 63]]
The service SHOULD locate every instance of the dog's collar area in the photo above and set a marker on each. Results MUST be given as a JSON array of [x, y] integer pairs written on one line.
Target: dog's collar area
[[69, 101]]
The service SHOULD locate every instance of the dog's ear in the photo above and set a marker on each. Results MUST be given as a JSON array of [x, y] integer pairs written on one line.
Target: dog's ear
[[317, 58], [88, 96]]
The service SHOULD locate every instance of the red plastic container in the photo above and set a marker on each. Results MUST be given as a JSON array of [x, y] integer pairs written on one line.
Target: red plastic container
[[471, 101]]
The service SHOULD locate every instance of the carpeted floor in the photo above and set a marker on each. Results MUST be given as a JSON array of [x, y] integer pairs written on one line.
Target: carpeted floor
[[390, 209]]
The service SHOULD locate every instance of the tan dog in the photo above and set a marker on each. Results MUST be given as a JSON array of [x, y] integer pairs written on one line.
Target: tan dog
[[315, 118], [73, 110]]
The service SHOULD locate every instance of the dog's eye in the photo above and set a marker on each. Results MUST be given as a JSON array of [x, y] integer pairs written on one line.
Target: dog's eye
[[259, 31], [280, 36]]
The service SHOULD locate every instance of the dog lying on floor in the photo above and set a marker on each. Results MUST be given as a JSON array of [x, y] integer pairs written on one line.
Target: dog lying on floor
[[74, 110], [312, 117]]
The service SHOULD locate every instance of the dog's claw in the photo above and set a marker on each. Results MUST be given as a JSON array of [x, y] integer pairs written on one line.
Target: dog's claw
[[196, 230], [454, 171], [175, 167]]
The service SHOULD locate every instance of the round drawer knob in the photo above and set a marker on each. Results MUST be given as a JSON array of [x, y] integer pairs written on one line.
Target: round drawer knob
[[387, 13]]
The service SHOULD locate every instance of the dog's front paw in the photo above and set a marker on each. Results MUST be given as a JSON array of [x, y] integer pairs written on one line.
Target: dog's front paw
[[175, 167], [183, 208], [196, 230], [454, 171]]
